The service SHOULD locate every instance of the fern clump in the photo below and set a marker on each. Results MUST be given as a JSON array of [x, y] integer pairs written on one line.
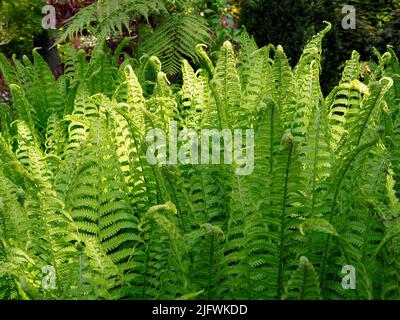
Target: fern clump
[[79, 197]]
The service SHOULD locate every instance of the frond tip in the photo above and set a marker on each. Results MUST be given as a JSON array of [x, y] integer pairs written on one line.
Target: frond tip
[[304, 283]]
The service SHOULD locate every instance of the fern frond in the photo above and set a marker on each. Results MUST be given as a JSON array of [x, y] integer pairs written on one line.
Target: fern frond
[[304, 283], [176, 39], [110, 17]]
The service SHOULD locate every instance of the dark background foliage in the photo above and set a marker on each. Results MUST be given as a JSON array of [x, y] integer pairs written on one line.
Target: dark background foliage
[[291, 23], [287, 22], [20, 24]]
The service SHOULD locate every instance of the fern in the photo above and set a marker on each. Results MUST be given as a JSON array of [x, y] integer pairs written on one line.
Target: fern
[[304, 283], [78, 194], [175, 40], [110, 17]]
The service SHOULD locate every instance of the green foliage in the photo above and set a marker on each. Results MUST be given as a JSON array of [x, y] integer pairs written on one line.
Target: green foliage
[[78, 194], [110, 17], [175, 40], [175, 36], [304, 283], [20, 23]]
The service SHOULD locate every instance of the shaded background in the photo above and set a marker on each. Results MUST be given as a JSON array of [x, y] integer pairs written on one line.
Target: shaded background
[[287, 22], [292, 22]]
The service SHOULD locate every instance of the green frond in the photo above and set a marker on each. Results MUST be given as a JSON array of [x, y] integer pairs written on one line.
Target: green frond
[[47, 99], [78, 194], [176, 39], [282, 87], [312, 50], [352, 68], [371, 104], [226, 87], [110, 17], [7, 71], [304, 283], [247, 57]]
